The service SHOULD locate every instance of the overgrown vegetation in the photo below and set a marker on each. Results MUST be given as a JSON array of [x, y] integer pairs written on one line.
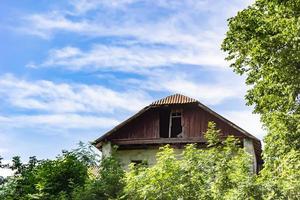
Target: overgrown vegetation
[[263, 43], [222, 171]]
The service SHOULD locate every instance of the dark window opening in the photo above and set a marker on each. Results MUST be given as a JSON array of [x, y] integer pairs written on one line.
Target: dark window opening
[[137, 163], [164, 120], [176, 127], [170, 124]]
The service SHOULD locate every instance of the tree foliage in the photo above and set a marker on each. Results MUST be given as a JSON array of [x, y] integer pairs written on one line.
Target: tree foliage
[[263, 43], [220, 172], [48, 179], [107, 184]]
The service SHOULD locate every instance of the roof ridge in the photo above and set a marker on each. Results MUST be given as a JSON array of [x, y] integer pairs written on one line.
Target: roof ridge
[[174, 99]]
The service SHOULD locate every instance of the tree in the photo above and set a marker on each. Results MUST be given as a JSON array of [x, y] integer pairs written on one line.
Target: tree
[[60, 176], [48, 179], [263, 43], [106, 184], [2, 179], [222, 171]]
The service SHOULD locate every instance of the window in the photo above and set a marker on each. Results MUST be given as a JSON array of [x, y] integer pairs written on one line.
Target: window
[[170, 123], [137, 163], [175, 125]]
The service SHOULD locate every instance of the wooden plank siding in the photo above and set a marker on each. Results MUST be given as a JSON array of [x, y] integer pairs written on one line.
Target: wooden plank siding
[[146, 126], [194, 122]]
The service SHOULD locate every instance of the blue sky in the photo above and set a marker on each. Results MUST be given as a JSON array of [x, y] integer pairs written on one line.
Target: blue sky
[[71, 70]]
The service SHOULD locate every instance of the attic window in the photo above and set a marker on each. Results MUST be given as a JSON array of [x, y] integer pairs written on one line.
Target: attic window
[[175, 125], [170, 123]]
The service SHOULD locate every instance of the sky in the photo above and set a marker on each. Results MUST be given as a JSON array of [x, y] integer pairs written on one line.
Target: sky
[[72, 70]]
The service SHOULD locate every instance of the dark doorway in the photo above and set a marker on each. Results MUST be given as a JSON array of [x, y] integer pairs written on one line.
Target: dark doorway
[[176, 127], [164, 121]]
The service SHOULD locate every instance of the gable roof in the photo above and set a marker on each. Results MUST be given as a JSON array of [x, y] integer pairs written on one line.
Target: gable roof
[[173, 100]]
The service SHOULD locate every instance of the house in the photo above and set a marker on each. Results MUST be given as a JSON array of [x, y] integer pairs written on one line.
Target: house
[[176, 120]]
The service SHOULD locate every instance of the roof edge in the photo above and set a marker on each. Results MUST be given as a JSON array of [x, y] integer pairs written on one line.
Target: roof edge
[[121, 125], [156, 106], [227, 121]]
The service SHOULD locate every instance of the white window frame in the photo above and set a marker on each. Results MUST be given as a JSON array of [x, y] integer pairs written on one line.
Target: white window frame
[[176, 116]]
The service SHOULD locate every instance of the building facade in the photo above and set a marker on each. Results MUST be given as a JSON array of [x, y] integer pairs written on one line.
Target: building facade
[[176, 120]]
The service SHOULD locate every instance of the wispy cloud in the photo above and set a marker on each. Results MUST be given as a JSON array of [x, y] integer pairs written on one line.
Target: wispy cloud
[[209, 93], [130, 58], [179, 22], [69, 111], [62, 122], [67, 98], [145, 37], [142, 49], [208, 86]]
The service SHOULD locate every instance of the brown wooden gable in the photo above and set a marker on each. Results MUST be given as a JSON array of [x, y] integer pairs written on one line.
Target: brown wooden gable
[[145, 126], [194, 124], [195, 117]]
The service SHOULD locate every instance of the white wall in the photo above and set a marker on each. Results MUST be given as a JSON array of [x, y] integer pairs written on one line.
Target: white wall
[[249, 146], [149, 155]]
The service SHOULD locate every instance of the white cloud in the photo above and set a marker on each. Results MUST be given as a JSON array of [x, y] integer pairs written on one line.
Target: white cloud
[[59, 121], [181, 25], [68, 98], [142, 41], [191, 82], [83, 6], [45, 107], [192, 31], [43, 25], [129, 58], [211, 94]]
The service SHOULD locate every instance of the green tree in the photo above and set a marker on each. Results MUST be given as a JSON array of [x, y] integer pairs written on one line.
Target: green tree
[[48, 179], [2, 179], [263, 43], [222, 171], [60, 176], [22, 183], [106, 184]]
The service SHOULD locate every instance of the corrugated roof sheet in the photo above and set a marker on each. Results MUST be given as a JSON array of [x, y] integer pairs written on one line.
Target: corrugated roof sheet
[[174, 99]]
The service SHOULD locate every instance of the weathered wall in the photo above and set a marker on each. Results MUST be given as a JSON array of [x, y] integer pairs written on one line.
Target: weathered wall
[[145, 126], [249, 146], [106, 149], [149, 155], [194, 122]]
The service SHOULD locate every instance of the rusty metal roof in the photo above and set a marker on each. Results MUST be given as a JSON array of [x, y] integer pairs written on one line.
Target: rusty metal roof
[[174, 99]]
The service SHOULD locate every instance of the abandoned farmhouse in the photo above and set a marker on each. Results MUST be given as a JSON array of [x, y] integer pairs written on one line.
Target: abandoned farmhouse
[[176, 120]]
